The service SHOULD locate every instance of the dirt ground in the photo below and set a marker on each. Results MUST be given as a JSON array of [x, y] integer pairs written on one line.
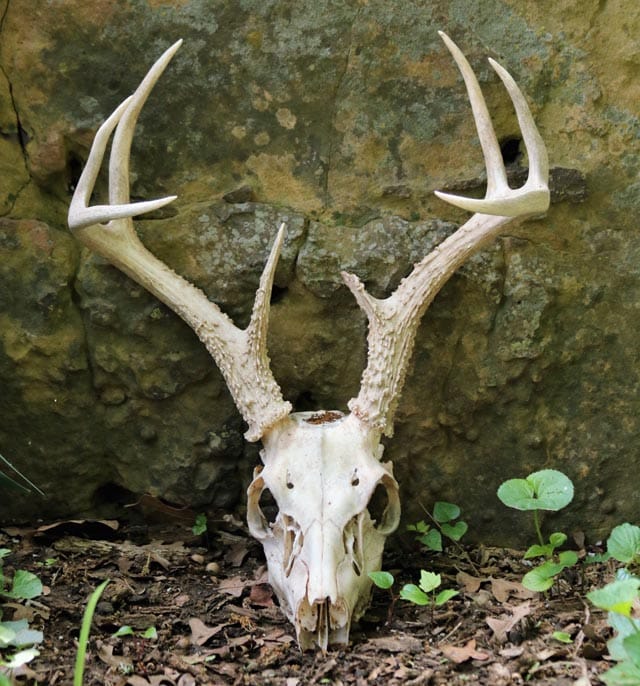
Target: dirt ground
[[217, 621]]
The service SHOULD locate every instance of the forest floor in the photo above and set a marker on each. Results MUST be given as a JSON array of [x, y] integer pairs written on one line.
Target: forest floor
[[213, 619]]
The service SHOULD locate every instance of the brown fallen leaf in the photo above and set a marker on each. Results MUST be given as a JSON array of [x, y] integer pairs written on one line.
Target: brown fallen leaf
[[105, 653], [501, 626], [261, 595], [234, 586], [470, 583], [462, 654], [503, 588], [394, 644], [201, 633]]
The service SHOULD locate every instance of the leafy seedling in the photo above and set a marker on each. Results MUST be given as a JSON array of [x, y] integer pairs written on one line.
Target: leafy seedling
[[425, 592], [547, 489], [444, 518], [550, 490], [618, 598], [150, 633], [199, 527]]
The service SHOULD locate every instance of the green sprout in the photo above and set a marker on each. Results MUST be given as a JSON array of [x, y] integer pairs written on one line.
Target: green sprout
[[549, 490], [444, 518], [425, 592]]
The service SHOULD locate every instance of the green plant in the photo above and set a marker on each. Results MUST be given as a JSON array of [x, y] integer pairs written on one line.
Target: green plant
[[199, 527], [17, 638], [623, 544], [444, 518], [83, 640], [617, 598], [425, 592], [549, 490], [150, 633], [10, 483]]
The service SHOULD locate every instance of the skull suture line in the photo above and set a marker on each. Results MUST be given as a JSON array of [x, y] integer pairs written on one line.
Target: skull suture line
[[323, 469]]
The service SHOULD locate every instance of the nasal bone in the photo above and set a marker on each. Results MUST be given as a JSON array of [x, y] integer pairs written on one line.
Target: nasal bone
[[322, 585]]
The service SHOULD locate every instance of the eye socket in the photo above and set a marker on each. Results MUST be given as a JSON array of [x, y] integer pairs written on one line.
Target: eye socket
[[268, 506], [384, 506]]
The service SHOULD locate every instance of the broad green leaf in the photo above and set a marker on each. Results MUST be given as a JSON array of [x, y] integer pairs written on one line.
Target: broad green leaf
[[4, 680], [200, 525], [6, 635], [541, 578], [623, 627], [562, 636], [4, 552], [432, 540], [414, 595], [455, 531], [21, 658], [632, 646], [22, 635], [623, 674], [383, 580], [429, 581], [538, 551], [445, 595], [568, 558], [547, 489], [624, 542], [125, 630], [25, 586], [445, 512], [149, 633], [618, 596], [557, 539]]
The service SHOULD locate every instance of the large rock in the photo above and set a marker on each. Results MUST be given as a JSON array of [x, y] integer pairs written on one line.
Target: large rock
[[340, 118]]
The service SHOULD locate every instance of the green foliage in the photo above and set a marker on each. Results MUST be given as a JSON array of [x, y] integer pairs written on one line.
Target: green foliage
[[383, 580], [17, 639], [19, 483], [83, 640], [562, 636], [542, 577], [149, 633], [444, 518], [425, 592], [623, 544], [548, 489], [617, 598], [199, 527]]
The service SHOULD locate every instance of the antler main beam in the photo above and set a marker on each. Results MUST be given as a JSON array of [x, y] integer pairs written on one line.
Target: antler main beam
[[393, 321], [108, 230]]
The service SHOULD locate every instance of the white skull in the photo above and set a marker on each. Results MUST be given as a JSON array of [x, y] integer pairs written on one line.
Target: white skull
[[323, 471]]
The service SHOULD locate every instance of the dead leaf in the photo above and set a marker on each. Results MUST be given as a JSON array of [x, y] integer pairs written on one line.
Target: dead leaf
[[466, 652], [395, 644], [470, 583], [201, 633], [503, 588], [501, 626], [105, 653], [512, 651], [234, 586], [237, 553], [261, 595]]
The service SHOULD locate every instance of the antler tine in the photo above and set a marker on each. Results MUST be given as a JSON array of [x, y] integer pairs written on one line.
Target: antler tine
[[241, 354], [500, 199], [393, 322], [124, 118]]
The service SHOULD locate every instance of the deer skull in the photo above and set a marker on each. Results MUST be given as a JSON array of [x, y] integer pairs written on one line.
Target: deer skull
[[323, 469]]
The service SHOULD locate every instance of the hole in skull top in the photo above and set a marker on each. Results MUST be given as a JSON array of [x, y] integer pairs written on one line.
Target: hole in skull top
[[324, 417]]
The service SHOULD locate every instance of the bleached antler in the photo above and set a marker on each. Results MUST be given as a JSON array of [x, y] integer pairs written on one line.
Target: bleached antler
[[393, 321], [108, 230]]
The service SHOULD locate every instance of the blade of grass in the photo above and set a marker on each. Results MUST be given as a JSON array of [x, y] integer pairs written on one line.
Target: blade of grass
[[21, 475], [83, 640]]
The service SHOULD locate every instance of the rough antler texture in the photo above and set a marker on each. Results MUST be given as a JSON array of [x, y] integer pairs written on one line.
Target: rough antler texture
[[323, 469], [393, 322], [241, 355]]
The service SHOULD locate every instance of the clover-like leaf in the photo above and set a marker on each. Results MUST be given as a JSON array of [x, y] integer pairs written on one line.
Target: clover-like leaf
[[445, 595], [624, 542], [445, 512], [432, 540], [547, 489], [455, 531]]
